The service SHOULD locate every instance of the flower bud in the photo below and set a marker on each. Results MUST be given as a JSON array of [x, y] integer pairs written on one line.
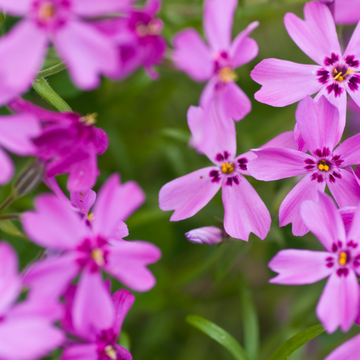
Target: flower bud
[[209, 235], [29, 178]]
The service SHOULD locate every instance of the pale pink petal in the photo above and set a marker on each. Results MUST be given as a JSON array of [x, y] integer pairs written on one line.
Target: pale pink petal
[[301, 146], [6, 167], [349, 151], [127, 262], [347, 215], [245, 212], [192, 55], [92, 8], [209, 235], [92, 307], [121, 231], [233, 102], [30, 338], [289, 212], [299, 267], [15, 74], [318, 123], [52, 184], [277, 163], [323, 220], [188, 194], [80, 352], [218, 21], [115, 203], [54, 224], [208, 94], [316, 36], [284, 82], [347, 12], [86, 52], [346, 191], [339, 302], [83, 200], [196, 122], [354, 43], [354, 232], [16, 8], [244, 49], [123, 300], [350, 349]]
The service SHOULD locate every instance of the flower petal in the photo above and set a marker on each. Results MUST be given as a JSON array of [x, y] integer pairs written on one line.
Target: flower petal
[[94, 8], [323, 219], [347, 12], [339, 302], [209, 235], [16, 8], [354, 232], [6, 167], [284, 82], [350, 349], [122, 353], [123, 301], [188, 194], [192, 56], [299, 267], [245, 212], [218, 21], [316, 35], [354, 43], [289, 212], [80, 352], [83, 200], [349, 151]]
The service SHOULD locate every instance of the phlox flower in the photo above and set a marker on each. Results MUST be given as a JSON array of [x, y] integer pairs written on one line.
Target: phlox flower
[[216, 62], [86, 52], [317, 122], [88, 248], [339, 302], [347, 351], [337, 73], [97, 343], [26, 330], [138, 39], [68, 144]]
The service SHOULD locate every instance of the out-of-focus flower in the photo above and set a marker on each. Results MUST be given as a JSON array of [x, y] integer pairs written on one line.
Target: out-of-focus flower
[[89, 248], [284, 82], [69, 144], [317, 122], [339, 302], [26, 330], [98, 343], [347, 351], [217, 62], [138, 38], [209, 235]]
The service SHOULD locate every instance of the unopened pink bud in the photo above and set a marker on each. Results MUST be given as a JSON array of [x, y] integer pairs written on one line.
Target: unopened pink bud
[[209, 235]]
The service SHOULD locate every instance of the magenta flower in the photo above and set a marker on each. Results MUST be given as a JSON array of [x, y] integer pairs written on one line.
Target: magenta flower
[[284, 82], [98, 343], [16, 132], [89, 247], [216, 63], [245, 212], [68, 144], [347, 351], [86, 51], [138, 39], [26, 330], [339, 302], [317, 123], [209, 235]]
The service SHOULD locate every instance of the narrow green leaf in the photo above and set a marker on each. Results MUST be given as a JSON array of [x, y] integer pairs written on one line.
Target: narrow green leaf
[[124, 340], [219, 335], [289, 346], [9, 228]]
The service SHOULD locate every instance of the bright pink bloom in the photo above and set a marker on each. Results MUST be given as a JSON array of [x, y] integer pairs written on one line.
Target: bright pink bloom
[[339, 302], [317, 123], [89, 247], [86, 51], [16, 132], [209, 235], [217, 61], [69, 144], [347, 351], [26, 330], [138, 39], [98, 343], [284, 82]]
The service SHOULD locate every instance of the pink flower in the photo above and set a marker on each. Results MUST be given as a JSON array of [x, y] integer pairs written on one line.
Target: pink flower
[[138, 39], [217, 62], [89, 247], [317, 122], [86, 52], [26, 332], [69, 144], [347, 351], [284, 82], [209, 235], [339, 302]]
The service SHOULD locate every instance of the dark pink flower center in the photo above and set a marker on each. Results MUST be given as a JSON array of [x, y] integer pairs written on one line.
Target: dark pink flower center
[[106, 341], [51, 13], [93, 253]]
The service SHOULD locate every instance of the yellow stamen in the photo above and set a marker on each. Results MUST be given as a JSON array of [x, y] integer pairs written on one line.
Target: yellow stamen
[[339, 75], [152, 28], [226, 75], [98, 256], [227, 168], [110, 352], [46, 11], [343, 258], [89, 119], [91, 217], [323, 166]]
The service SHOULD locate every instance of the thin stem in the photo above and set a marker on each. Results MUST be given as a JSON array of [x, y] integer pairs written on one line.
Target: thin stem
[[42, 87], [52, 70], [7, 202], [10, 217]]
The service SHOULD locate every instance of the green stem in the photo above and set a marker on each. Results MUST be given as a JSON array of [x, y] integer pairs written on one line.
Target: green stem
[[10, 217], [52, 70], [42, 87], [7, 202]]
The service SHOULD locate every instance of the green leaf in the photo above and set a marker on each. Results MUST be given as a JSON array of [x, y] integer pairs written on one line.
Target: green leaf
[[124, 340], [219, 335], [9, 228], [289, 346]]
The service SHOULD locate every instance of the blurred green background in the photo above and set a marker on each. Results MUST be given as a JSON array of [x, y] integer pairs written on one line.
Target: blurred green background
[[146, 124]]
